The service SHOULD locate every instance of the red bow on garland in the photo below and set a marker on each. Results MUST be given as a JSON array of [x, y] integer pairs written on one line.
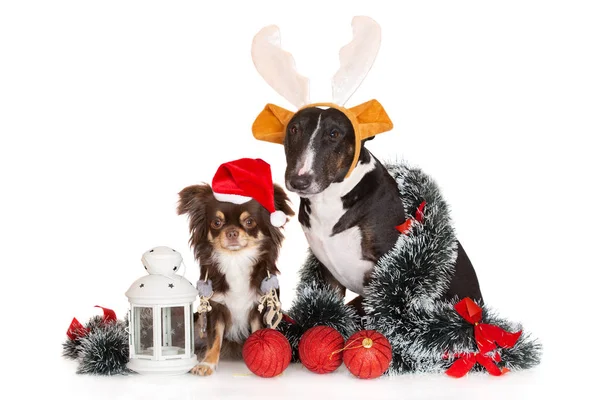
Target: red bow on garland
[[76, 330], [488, 338], [419, 216]]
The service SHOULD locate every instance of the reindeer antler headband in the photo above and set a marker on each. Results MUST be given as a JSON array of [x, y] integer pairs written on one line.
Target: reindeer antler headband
[[277, 68]]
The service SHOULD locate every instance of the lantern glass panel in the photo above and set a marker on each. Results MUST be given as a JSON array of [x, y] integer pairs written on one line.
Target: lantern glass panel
[[191, 324], [173, 331], [144, 331]]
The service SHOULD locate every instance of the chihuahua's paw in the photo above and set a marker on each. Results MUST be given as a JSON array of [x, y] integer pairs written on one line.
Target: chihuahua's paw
[[203, 369]]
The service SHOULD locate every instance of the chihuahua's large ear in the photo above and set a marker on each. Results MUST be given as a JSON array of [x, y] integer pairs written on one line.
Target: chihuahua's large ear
[[282, 201], [192, 201], [193, 197]]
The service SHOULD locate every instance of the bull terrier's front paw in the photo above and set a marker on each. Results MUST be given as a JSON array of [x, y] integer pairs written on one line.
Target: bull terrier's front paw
[[203, 369]]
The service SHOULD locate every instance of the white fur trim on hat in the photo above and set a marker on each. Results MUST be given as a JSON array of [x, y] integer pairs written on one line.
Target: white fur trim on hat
[[232, 198], [278, 218]]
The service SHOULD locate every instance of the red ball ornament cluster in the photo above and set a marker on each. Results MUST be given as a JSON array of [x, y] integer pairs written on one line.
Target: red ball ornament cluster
[[367, 354], [267, 353]]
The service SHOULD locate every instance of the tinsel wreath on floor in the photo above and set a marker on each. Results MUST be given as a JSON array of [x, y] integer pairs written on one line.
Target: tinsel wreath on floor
[[405, 298], [101, 346]]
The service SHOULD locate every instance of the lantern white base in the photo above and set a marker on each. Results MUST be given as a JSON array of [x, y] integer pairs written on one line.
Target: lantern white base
[[162, 367]]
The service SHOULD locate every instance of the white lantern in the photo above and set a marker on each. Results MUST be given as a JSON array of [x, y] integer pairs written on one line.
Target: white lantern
[[161, 328]]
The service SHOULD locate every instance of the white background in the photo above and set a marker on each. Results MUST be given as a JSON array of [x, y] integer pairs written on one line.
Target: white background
[[108, 109]]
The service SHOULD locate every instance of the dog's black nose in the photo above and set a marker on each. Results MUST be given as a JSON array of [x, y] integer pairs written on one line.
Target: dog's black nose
[[232, 234], [300, 182]]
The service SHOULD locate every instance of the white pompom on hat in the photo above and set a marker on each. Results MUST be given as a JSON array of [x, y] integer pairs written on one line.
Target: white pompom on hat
[[245, 179]]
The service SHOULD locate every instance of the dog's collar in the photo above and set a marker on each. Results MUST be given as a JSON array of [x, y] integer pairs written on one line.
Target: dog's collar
[[368, 119]]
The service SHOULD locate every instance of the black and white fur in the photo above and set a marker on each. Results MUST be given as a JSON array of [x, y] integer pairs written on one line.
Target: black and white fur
[[349, 222]]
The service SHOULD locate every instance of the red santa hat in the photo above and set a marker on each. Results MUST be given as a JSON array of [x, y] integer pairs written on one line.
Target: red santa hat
[[245, 179]]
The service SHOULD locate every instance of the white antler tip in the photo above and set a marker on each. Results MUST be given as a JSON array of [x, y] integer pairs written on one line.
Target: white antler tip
[[356, 58], [277, 67], [363, 19], [270, 34]]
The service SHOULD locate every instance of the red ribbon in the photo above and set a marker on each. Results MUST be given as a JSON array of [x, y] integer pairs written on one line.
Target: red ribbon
[[467, 361], [419, 216], [488, 338], [288, 319], [109, 315], [77, 330]]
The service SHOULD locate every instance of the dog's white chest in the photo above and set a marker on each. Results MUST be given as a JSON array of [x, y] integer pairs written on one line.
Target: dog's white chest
[[340, 253], [240, 299]]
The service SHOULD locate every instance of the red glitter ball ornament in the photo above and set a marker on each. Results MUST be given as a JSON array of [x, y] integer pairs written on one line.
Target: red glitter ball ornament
[[320, 349], [267, 353], [367, 354]]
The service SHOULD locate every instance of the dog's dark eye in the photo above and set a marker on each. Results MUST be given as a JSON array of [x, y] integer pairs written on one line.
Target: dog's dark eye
[[334, 134], [250, 223], [216, 223], [293, 129]]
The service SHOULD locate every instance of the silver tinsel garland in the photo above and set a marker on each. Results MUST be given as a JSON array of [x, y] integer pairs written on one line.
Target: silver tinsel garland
[[103, 350], [405, 297]]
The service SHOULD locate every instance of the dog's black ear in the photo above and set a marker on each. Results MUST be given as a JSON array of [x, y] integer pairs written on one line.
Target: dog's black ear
[[282, 201], [192, 201]]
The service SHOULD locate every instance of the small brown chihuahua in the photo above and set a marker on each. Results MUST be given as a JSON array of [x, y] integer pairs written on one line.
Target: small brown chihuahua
[[236, 245]]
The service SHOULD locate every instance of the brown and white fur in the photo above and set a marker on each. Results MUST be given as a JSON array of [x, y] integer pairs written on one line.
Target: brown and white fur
[[235, 245]]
